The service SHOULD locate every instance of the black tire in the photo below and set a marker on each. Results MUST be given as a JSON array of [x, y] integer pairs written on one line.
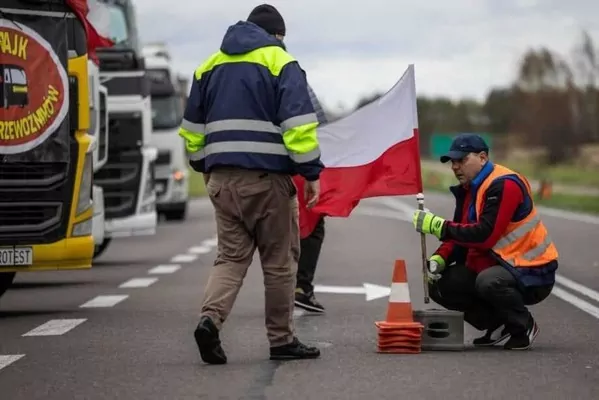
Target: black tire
[[178, 214], [6, 279], [101, 248]]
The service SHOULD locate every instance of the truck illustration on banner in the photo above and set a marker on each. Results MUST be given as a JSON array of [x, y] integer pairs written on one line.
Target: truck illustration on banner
[[13, 86]]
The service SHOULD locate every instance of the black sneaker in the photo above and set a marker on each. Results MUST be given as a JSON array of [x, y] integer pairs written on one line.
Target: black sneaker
[[206, 336], [293, 351], [307, 301], [492, 337], [523, 341]]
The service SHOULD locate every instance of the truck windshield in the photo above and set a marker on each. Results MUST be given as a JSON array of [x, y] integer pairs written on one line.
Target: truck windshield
[[167, 112], [119, 32], [18, 76]]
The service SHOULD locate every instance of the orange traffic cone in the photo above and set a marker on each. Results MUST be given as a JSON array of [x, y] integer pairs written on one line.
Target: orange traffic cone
[[399, 333]]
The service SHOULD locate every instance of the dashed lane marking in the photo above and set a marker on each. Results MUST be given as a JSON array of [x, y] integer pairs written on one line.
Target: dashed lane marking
[[138, 283], [55, 327], [6, 360], [184, 258], [200, 250], [104, 301], [164, 269], [210, 242], [298, 312]]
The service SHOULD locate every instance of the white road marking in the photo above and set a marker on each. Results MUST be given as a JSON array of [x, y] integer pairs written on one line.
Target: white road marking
[[138, 283], [184, 258], [104, 301], [164, 269], [576, 301], [298, 312], [577, 287], [5, 361], [200, 250], [55, 327], [210, 242], [569, 215]]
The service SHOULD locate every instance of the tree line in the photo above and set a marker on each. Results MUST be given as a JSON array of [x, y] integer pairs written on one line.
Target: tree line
[[553, 104]]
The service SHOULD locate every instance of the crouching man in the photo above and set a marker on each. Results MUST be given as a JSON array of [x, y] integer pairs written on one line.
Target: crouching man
[[496, 257]]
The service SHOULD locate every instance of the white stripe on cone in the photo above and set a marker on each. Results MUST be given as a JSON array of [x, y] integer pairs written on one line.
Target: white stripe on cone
[[400, 292]]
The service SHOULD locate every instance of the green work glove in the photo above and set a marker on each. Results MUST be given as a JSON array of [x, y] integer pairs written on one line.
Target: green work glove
[[427, 222], [436, 265]]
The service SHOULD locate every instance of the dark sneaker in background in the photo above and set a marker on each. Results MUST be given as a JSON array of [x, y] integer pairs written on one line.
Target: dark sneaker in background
[[295, 350], [307, 301]]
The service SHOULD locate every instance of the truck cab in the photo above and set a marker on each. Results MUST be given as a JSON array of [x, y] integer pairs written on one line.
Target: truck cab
[[98, 130], [127, 178], [46, 153], [167, 92]]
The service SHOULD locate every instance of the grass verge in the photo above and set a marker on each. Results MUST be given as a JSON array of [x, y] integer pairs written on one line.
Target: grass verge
[[196, 184], [562, 174], [440, 182]]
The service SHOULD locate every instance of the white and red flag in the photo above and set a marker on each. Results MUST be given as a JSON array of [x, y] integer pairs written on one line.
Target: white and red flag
[[372, 152], [95, 17]]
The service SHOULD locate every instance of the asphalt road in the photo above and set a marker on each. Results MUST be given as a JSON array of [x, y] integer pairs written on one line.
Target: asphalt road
[[123, 330]]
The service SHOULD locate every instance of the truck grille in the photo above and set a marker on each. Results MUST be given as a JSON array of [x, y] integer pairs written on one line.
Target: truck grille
[[125, 130], [35, 200], [120, 179], [24, 219], [20, 176]]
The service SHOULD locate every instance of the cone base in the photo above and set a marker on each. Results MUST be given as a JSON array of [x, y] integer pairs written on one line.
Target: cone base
[[399, 350]]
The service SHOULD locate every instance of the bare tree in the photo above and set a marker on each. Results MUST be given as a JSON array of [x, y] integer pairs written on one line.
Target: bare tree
[[545, 94], [587, 68]]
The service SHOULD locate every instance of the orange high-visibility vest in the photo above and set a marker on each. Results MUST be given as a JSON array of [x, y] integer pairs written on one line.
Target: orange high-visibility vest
[[525, 243]]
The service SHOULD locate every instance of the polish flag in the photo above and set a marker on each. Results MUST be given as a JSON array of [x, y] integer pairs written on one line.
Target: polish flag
[[372, 152], [96, 20]]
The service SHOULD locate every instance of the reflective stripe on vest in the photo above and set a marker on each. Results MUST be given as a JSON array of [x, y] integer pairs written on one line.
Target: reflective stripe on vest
[[215, 127], [526, 243]]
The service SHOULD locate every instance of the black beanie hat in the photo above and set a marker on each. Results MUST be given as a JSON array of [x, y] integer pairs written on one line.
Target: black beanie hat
[[268, 18]]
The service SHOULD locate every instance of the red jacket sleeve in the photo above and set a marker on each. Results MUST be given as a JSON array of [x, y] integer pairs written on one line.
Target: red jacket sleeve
[[501, 201], [445, 250]]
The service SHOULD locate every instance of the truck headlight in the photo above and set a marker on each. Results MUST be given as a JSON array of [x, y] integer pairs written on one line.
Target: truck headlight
[[83, 228], [149, 184], [84, 201]]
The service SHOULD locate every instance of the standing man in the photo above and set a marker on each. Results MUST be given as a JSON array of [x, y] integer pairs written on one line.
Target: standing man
[[496, 257], [249, 125], [310, 245]]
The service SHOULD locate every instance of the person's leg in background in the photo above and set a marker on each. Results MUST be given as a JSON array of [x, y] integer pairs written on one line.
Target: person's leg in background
[[309, 254]]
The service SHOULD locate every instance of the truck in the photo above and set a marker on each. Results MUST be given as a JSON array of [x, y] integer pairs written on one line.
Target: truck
[[127, 178], [168, 92], [98, 129], [46, 152]]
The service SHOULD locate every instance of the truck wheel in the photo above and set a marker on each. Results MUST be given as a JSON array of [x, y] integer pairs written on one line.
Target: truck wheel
[[101, 248], [6, 279], [178, 214]]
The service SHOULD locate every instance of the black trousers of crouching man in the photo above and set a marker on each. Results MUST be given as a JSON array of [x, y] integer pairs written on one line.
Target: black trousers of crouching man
[[488, 299]]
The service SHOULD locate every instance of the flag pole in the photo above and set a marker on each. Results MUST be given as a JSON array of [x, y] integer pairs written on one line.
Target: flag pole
[[420, 200]]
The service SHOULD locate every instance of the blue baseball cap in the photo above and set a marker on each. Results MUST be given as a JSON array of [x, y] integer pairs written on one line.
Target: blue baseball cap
[[464, 144]]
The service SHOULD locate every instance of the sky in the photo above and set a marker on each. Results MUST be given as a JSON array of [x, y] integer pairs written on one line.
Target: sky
[[351, 48]]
